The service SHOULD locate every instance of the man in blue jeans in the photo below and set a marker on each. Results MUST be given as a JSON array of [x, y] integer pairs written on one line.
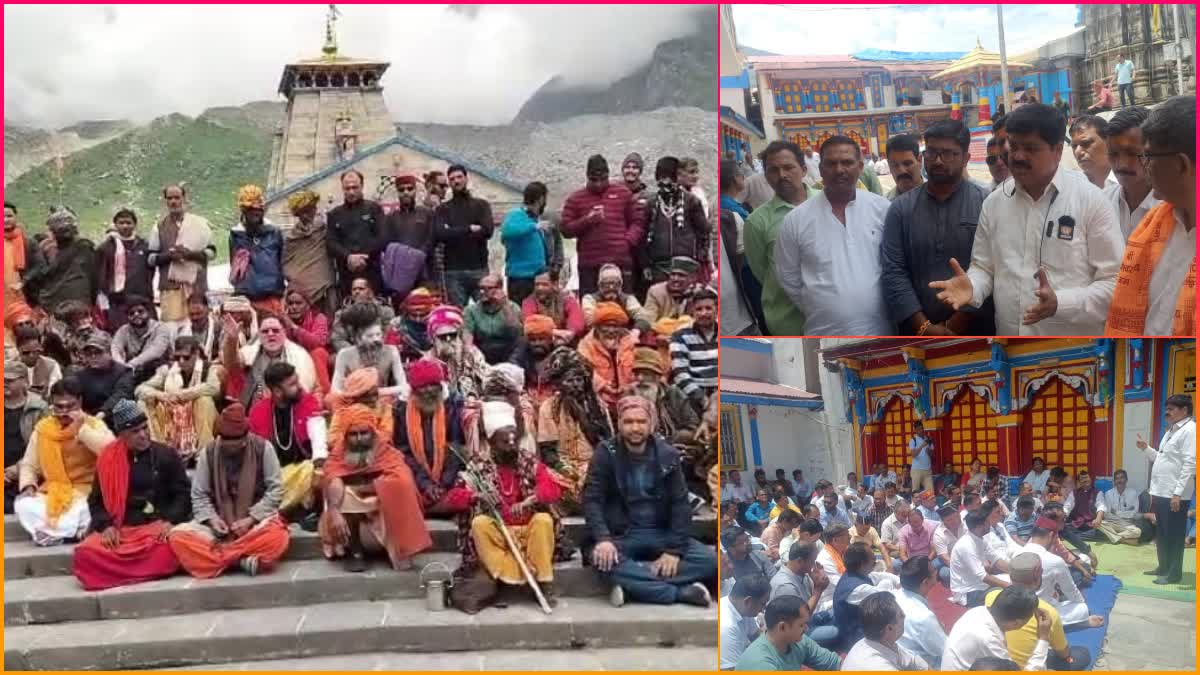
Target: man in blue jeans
[[1124, 75], [636, 507]]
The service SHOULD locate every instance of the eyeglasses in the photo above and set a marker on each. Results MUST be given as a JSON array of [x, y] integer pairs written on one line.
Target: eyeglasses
[[1145, 157], [270, 331], [948, 155]]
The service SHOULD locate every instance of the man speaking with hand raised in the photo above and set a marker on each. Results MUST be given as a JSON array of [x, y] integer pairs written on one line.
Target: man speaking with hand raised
[[1048, 247]]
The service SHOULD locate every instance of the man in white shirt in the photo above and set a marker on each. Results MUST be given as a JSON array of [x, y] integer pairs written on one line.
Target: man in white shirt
[[1048, 246], [734, 491], [1038, 476], [1156, 289], [945, 537], [1117, 510], [1091, 152], [1055, 583], [889, 531], [801, 487], [923, 633], [827, 256], [814, 166], [809, 532], [1133, 196], [1172, 480], [837, 540], [980, 632], [738, 617], [883, 627], [972, 564]]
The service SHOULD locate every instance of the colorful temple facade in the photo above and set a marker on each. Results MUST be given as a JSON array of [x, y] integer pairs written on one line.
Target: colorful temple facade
[[1076, 403]]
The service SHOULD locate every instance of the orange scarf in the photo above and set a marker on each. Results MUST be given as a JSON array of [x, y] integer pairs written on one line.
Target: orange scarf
[[416, 439], [837, 559], [59, 491], [17, 237], [112, 472], [1131, 299]]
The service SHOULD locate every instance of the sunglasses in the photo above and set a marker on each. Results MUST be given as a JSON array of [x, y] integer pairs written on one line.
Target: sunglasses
[[993, 159]]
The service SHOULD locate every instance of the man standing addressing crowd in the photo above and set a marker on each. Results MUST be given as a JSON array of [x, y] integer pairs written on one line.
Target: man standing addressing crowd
[[1048, 246]]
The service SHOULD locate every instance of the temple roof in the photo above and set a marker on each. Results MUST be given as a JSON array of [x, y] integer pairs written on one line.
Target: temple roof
[[978, 58]]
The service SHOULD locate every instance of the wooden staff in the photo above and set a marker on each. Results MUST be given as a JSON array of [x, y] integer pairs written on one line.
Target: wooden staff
[[487, 493]]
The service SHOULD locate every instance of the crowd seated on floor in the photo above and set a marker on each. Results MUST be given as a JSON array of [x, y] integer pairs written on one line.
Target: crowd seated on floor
[[368, 372], [849, 576]]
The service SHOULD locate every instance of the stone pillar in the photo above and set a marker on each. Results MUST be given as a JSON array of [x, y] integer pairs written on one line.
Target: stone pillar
[[766, 98]]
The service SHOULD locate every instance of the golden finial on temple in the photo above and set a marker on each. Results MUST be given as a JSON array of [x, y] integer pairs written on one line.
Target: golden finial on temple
[[330, 49]]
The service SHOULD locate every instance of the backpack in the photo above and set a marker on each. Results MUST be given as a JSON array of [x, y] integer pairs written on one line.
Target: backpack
[[401, 265]]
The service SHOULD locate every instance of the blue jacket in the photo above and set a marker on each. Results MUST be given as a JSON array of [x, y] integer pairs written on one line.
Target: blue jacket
[[525, 248], [845, 615], [264, 276]]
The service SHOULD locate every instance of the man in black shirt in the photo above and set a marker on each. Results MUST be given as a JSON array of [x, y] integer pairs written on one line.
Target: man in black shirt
[[105, 382], [636, 506], [355, 235], [22, 410], [140, 490], [463, 224]]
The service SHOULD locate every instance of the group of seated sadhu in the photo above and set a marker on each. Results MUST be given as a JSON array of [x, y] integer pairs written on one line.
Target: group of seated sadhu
[[841, 574], [370, 480], [364, 465]]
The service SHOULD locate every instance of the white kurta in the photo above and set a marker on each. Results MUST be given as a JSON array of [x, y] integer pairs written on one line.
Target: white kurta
[[1081, 261], [871, 655], [1058, 588], [976, 634], [1168, 276], [1128, 217], [832, 271]]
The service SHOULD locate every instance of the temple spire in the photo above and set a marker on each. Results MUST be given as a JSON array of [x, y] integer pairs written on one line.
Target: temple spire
[[330, 49]]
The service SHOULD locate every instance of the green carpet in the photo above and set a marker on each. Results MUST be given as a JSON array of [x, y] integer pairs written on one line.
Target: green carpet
[[1128, 563]]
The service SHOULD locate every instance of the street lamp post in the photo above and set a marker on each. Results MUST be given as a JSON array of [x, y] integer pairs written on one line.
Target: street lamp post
[[1003, 61]]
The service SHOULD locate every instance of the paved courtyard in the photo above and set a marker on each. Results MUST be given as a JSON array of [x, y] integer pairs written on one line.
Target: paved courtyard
[[1150, 634]]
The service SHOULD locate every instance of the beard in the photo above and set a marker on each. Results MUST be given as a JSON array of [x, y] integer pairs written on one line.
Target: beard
[[447, 351], [648, 390], [370, 353]]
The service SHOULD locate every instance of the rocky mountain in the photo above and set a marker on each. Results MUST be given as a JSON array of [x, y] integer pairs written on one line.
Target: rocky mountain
[[212, 154], [680, 73], [26, 147]]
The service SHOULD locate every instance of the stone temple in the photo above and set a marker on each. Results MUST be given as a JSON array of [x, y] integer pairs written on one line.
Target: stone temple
[[337, 120]]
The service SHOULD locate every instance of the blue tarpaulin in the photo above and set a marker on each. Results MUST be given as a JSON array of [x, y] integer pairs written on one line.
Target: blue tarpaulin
[[884, 55]]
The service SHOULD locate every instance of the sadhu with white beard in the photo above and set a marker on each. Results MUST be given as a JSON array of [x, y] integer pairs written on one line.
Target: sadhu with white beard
[[464, 361], [368, 351]]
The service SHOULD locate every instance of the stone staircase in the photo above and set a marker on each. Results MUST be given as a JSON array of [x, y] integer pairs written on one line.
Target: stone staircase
[[310, 614]]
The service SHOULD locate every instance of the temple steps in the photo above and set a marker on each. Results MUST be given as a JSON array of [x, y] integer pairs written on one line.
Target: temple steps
[[309, 611]]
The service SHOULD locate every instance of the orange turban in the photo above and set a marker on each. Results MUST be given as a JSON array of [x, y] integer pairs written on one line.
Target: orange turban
[[539, 325], [360, 383], [15, 312], [352, 417], [611, 314]]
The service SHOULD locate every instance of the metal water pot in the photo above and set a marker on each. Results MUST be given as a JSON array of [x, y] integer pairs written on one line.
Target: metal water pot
[[437, 591]]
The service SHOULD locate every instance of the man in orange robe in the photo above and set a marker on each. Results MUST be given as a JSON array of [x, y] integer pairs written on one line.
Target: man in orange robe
[[608, 347], [141, 490], [371, 499], [236, 493]]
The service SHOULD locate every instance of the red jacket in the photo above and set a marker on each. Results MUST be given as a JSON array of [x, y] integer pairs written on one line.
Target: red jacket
[[608, 241]]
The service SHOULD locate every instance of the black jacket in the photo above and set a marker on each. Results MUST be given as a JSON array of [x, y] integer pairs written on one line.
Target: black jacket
[[156, 477], [103, 389], [465, 250], [606, 509]]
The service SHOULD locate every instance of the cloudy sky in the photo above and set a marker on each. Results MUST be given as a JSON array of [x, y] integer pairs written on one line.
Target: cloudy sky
[[834, 29], [66, 63]]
